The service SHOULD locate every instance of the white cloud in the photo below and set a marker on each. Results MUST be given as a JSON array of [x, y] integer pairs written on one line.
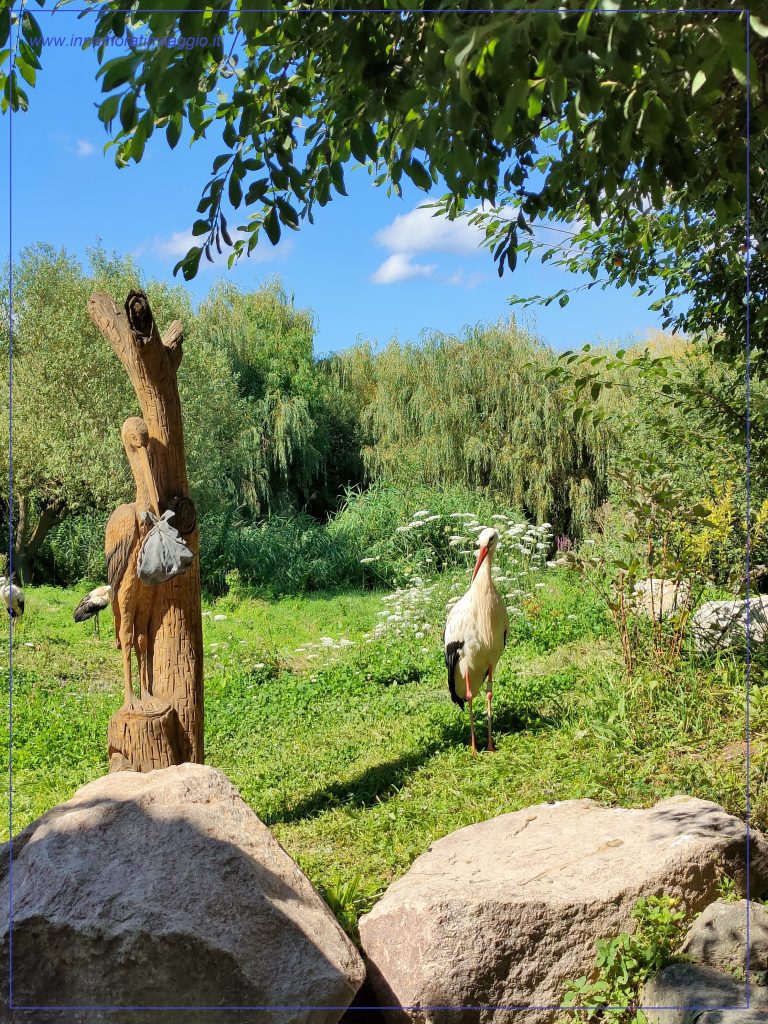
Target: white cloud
[[398, 267], [421, 231], [180, 242], [177, 245], [85, 148]]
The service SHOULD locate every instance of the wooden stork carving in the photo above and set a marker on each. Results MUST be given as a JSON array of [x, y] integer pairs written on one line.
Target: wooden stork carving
[[161, 623], [132, 600]]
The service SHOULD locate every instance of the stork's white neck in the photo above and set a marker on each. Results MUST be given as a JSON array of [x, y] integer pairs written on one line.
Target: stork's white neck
[[484, 580]]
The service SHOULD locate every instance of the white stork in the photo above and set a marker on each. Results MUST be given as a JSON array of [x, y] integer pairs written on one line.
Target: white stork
[[475, 635], [92, 604], [13, 597]]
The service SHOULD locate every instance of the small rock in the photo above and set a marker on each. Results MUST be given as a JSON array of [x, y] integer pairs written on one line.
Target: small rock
[[718, 937], [678, 994], [219, 618], [658, 598]]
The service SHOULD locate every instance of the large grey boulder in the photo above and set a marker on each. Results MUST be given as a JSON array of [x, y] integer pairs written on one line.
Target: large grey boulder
[[505, 912], [718, 937], [165, 889], [678, 994], [719, 624]]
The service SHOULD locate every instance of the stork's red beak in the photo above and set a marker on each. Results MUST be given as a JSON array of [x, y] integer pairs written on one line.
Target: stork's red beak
[[480, 560]]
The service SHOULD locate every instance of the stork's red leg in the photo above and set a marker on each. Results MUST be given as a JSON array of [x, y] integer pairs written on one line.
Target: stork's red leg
[[471, 714], [488, 697]]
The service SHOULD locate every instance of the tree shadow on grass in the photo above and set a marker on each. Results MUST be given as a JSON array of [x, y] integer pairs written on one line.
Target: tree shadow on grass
[[381, 782]]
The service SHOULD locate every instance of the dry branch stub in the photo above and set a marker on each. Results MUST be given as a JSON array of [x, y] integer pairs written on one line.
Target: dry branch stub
[[168, 728]]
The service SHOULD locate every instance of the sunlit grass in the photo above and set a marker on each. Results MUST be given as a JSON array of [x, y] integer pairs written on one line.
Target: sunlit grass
[[353, 752]]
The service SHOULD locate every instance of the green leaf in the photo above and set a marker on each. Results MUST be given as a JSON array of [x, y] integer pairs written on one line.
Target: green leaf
[[288, 215], [128, 111], [256, 191], [272, 226], [201, 227], [27, 73], [235, 190], [698, 81], [189, 264], [419, 175], [337, 177], [173, 131], [116, 72], [26, 51]]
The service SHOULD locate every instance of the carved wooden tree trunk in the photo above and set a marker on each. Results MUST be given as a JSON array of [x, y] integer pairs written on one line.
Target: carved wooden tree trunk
[[168, 729]]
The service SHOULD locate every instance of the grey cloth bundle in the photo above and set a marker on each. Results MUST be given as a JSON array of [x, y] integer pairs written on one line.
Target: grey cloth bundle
[[163, 554]]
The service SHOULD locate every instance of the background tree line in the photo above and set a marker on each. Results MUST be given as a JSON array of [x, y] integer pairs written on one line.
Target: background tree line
[[280, 443]]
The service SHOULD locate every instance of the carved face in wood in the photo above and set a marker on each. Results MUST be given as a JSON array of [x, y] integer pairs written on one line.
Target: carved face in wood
[[135, 436]]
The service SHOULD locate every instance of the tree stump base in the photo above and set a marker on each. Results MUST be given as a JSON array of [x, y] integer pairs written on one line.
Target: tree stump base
[[147, 736]]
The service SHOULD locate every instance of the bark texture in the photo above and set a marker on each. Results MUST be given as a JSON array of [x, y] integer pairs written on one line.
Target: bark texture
[[175, 628]]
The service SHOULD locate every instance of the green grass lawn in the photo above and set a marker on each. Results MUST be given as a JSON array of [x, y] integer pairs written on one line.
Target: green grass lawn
[[352, 751]]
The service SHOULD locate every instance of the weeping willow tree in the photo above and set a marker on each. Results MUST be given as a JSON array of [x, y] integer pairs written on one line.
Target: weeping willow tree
[[294, 434], [478, 411]]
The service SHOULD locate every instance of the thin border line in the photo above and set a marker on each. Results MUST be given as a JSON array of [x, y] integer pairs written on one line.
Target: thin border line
[[748, 552], [10, 536], [425, 10], [479, 1006]]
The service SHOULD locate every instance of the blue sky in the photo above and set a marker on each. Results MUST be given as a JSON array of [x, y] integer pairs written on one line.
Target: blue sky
[[371, 266]]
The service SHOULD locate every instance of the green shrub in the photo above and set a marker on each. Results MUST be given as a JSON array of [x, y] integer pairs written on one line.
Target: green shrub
[[625, 963]]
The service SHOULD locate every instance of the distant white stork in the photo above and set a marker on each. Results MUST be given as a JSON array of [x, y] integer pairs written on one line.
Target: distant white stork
[[92, 604], [13, 597], [475, 635]]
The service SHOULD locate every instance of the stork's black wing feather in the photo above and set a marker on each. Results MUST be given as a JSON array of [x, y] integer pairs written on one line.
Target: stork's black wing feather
[[86, 609], [452, 655]]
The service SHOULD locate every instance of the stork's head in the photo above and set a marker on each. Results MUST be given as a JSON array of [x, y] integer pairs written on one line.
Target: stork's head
[[487, 540]]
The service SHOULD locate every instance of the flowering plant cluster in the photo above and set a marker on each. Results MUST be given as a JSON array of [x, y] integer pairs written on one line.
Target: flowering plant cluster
[[440, 550]]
